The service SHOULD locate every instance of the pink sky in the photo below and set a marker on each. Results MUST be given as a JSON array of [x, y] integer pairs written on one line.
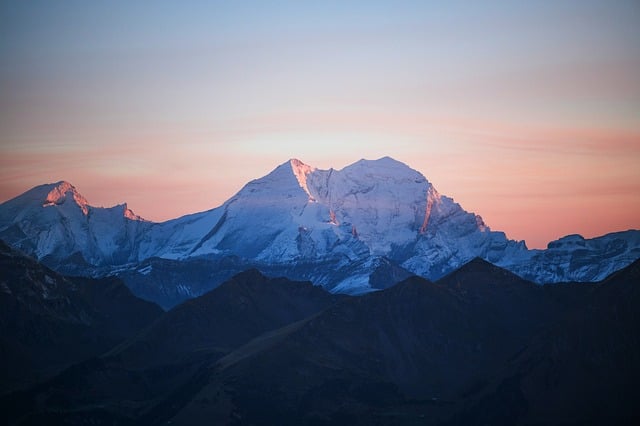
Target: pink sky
[[528, 115]]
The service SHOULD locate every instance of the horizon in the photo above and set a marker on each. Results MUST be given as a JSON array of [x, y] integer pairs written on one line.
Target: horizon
[[524, 114], [124, 202]]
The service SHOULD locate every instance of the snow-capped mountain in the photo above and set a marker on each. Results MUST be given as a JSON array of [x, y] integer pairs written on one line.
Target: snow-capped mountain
[[56, 224], [371, 208], [574, 258], [351, 230], [299, 215]]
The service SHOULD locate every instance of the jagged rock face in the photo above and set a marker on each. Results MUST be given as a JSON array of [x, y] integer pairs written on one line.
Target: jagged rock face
[[56, 224], [332, 227]]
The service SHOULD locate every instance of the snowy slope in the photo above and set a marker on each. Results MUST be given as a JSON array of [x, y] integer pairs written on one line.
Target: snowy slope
[[574, 258], [349, 230], [378, 208], [56, 224]]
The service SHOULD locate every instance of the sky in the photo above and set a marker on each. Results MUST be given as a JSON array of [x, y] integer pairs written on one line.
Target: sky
[[526, 113]]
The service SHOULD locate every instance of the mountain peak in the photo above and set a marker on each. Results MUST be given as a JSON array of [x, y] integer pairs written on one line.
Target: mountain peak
[[288, 177], [387, 167], [386, 162], [382, 160], [295, 162], [61, 191], [301, 171], [129, 214]]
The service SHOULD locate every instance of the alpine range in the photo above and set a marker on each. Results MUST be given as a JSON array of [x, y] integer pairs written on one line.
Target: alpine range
[[311, 297], [329, 213], [352, 231]]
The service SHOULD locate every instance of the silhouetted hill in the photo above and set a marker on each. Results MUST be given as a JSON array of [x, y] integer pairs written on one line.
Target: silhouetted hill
[[584, 370], [392, 356], [425, 353], [480, 346], [48, 321], [242, 308], [169, 355]]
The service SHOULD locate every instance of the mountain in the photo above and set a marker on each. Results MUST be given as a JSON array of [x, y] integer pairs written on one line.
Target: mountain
[[56, 224], [354, 230], [479, 346], [158, 366], [353, 219], [48, 321], [574, 258], [583, 370], [405, 355], [243, 307]]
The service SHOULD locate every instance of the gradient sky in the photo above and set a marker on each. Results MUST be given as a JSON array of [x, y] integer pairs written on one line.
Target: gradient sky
[[527, 113]]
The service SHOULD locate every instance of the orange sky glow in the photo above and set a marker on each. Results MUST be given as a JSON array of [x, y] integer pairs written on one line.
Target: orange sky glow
[[528, 115]]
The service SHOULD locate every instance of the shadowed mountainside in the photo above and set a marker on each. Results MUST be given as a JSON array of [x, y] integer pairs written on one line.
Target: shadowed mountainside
[[48, 321], [152, 368], [480, 346]]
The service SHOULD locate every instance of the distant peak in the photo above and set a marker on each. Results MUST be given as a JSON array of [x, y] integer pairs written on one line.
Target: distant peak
[[63, 183], [383, 163], [61, 186], [129, 214], [483, 266], [480, 262], [301, 171], [297, 163], [572, 237], [386, 160], [61, 191], [248, 277], [387, 166]]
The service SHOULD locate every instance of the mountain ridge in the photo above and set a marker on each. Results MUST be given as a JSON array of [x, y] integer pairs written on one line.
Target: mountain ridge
[[479, 346], [296, 221], [49, 321]]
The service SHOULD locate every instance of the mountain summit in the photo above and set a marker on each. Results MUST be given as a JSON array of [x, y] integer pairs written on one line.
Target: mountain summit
[[56, 224], [352, 230], [61, 191], [369, 210]]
